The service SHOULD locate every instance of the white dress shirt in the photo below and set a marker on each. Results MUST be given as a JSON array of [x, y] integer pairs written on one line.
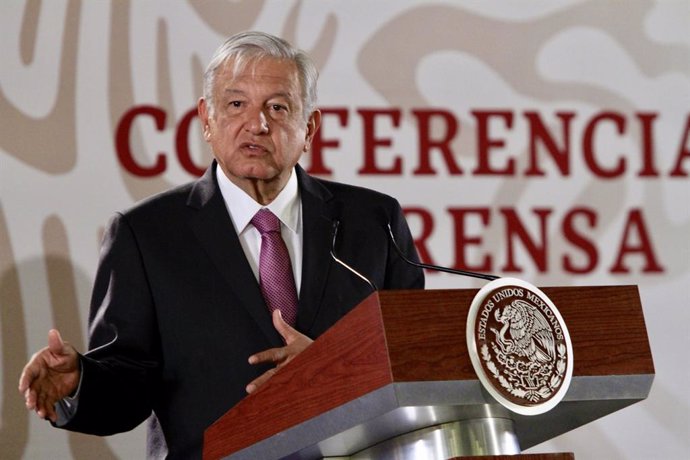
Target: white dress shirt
[[287, 206]]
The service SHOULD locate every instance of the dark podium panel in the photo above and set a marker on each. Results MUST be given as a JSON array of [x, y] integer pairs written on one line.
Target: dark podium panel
[[399, 362]]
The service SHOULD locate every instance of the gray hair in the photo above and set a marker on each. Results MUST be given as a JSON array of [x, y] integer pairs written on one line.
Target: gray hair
[[251, 45]]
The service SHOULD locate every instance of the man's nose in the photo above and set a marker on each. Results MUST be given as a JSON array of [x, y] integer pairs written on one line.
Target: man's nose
[[257, 122]]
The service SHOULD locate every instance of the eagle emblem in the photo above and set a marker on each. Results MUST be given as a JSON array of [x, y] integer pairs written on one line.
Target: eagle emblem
[[529, 332], [520, 346]]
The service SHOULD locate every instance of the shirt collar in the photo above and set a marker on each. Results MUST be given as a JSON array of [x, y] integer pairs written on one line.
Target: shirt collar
[[242, 207]]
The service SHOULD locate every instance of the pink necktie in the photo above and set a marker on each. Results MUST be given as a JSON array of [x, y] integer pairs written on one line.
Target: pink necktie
[[275, 270]]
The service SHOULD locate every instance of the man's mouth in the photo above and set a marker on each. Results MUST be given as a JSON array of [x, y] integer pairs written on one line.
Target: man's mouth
[[253, 148]]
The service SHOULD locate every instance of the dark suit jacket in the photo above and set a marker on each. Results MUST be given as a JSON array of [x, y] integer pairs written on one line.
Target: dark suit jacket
[[176, 310]]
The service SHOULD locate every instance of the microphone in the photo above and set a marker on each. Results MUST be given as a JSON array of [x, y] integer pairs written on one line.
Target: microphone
[[436, 267], [334, 234]]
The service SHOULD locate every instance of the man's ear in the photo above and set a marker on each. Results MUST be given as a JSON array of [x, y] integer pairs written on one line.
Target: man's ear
[[204, 114], [313, 125]]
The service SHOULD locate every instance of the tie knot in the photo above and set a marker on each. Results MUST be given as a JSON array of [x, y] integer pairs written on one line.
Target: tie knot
[[265, 221]]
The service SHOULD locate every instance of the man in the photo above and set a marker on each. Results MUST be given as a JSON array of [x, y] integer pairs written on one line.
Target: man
[[180, 320]]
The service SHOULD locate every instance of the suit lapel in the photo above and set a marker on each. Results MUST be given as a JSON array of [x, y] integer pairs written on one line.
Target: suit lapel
[[318, 213], [216, 234]]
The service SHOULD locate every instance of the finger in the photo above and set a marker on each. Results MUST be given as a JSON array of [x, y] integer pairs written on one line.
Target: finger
[[45, 407], [28, 375], [32, 370], [278, 322], [30, 399], [272, 355], [55, 343], [286, 331], [41, 405], [50, 413], [260, 380]]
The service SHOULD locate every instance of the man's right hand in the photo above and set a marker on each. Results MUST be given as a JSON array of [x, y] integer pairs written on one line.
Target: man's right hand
[[50, 375]]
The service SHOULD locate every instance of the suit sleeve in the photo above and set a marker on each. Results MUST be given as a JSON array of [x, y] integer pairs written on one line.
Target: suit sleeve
[[121, 369]]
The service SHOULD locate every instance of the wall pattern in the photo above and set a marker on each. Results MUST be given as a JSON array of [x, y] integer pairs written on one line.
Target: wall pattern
[[544, 140]]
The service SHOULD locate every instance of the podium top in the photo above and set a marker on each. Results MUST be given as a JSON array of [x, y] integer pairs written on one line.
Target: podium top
[[399, 362]]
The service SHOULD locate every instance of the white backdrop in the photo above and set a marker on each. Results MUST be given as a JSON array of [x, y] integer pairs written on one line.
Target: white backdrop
[[547, 140]]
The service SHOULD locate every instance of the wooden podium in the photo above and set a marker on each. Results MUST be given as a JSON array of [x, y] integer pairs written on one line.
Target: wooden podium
[[398, 365]]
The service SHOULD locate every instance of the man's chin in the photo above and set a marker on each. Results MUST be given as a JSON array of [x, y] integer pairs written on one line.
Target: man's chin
[[262, 175], [256, 174]]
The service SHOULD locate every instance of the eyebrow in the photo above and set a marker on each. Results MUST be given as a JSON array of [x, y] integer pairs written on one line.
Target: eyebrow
[[282, 94]]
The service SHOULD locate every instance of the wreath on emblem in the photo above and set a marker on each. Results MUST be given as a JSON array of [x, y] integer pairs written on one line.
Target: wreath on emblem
[[532, 364]]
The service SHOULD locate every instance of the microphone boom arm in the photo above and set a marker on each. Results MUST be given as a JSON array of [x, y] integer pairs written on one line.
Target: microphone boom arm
[[437, 267], [336, 223]]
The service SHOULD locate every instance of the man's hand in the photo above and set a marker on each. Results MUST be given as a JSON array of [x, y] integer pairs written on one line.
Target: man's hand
[[50, 375], [295, 343]]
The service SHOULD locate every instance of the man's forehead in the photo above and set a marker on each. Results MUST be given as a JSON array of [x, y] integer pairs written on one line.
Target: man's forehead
[[260, 68]]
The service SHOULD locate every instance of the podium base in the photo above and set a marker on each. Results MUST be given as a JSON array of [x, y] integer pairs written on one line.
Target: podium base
[[482, 436]]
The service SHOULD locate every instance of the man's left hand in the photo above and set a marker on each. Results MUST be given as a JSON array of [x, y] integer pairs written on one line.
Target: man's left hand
[[295, 343]]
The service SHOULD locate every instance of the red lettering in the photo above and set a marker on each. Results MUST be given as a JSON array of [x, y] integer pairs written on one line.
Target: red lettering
[[683, 152], [318, 144], [636, 225], [540, 134], [485, 143], [371, 142], [578, 239], [648, 169], [426, 144], [463, 241], [537, 250], [182, 144], [589, 140], [122, 141]]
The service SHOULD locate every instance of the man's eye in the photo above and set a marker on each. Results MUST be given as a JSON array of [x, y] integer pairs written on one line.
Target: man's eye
[[235, 104], [278, 108]]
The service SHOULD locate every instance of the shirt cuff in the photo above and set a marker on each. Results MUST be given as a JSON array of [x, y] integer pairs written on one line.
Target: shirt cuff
[[66, 408]]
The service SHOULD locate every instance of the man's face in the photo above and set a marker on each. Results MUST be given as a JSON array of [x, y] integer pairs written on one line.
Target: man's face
[[257, 131]]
